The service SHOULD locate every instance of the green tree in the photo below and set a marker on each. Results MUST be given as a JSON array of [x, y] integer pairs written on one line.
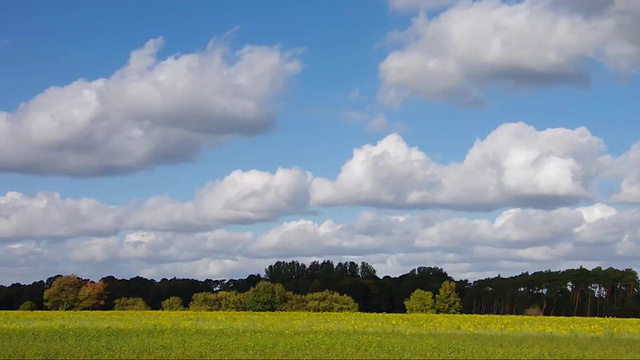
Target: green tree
[[173, 303], [134, 303], [420, 301], [64, 293], [447, 301], [266, 296], [27, 306]]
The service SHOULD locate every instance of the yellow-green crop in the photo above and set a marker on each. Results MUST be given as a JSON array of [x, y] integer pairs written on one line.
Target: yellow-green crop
[[155, 334]]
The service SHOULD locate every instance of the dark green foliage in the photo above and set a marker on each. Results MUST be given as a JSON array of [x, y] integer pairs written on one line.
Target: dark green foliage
[[173, 303], [447, 301], [130, 304], [420, 301]]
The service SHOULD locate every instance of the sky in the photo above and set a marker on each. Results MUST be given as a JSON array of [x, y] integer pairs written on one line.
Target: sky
[[209, 139]]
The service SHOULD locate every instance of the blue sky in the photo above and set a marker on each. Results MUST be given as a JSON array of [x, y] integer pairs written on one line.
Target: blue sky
[[402, 132]]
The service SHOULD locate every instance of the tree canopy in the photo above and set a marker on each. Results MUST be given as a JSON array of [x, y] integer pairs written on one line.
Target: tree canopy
[[420, 301], [64, 293], [573, 292]]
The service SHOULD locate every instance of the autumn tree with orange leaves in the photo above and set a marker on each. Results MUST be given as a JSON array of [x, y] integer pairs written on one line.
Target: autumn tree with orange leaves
[[92, 295], [70, 292]]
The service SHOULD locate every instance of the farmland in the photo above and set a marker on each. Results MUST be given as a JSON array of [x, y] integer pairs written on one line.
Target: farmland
[[188, 334]]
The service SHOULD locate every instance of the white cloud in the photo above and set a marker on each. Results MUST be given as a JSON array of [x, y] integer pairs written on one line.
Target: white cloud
[[473, 44], [47, 215], [241, 197], [510, 242], [628, 165], [370, 234], [516, 165], [150, 112]]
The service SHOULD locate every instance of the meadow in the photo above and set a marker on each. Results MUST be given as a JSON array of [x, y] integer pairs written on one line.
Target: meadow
[[188, 334]]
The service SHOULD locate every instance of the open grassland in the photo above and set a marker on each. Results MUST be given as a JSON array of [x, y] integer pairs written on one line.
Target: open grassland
[[156, 334]]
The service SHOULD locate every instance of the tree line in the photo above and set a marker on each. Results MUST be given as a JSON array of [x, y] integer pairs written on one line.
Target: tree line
[[574, 292]]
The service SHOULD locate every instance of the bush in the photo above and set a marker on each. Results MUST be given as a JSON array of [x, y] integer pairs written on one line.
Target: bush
[[130, 304], [27, 306], [173, 303], [202, 302], [325, 301], [220, 301], [420, 301]]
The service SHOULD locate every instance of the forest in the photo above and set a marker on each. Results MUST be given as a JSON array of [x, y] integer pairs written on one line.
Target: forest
[[573, 292]]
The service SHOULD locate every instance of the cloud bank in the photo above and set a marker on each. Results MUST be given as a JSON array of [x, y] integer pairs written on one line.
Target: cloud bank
[[540, 184], [506, 243]]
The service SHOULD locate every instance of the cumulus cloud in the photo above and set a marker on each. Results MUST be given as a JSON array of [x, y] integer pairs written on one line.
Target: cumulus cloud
[[240, 198], [516, 165], [457, 54], [370, 234], [628, 165], [150, 112], [47, 215], [512, 241]]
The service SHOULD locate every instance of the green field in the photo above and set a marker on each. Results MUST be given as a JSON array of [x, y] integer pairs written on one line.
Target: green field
[[156, 334]]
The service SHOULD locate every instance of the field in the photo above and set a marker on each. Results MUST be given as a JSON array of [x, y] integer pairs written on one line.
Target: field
[[156, 334]]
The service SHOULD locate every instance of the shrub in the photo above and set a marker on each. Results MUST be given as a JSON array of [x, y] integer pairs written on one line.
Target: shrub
[[220, 301], [202, 302], [125, 303], [325, 301], [27, 306], [173, 303]]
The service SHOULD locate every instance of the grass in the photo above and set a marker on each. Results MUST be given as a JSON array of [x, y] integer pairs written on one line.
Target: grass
[[155, 334]]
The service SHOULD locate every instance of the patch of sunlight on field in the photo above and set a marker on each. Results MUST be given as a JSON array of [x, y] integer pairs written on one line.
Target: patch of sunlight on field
[[156, 334]]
